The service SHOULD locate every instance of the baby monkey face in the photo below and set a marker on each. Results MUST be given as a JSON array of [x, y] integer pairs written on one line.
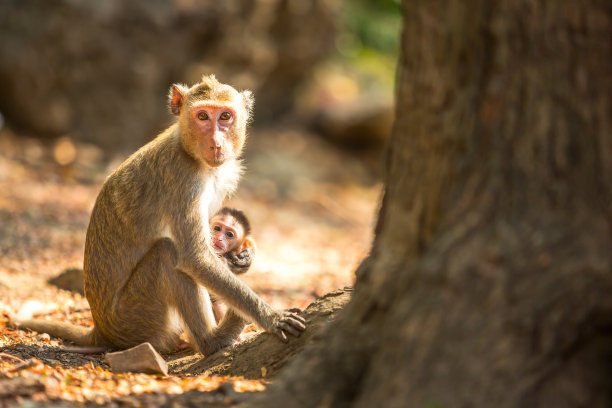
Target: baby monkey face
[[227, 233]]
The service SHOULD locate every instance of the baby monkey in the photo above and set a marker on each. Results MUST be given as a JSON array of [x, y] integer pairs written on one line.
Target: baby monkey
[[230, 231]]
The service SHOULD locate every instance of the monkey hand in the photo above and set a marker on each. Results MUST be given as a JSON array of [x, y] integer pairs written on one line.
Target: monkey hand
[[287, 322], [240, 262]]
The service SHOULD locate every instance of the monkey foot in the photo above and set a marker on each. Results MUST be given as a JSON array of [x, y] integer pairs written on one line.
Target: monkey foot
[[182, 346]]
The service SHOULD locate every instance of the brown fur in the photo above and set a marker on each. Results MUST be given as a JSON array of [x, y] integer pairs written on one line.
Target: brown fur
[[147, 252]]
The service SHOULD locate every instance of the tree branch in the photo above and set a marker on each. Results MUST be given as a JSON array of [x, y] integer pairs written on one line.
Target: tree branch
[[264, 355]]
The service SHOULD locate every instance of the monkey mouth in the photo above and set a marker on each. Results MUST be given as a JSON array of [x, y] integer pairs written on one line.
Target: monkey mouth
[[217, 162], [215, 157], [219, 155]]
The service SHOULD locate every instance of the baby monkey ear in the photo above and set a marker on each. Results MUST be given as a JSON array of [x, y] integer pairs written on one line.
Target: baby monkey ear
[[248, 242], [176, 96]]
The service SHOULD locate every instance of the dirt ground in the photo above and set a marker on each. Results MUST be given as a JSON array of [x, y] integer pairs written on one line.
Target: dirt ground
[[312, 209]]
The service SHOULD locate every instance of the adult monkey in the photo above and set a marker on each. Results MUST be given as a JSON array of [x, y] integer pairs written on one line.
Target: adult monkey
[[148, 260]]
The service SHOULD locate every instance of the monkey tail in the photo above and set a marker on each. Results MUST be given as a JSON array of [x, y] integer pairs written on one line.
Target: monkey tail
[[81, 336]]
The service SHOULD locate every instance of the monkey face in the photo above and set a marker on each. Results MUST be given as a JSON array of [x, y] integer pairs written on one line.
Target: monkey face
[[226, 232], [214, 129], [212, 119]]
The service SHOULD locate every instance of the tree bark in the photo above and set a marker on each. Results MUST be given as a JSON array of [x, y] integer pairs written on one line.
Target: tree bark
[[490, 278]]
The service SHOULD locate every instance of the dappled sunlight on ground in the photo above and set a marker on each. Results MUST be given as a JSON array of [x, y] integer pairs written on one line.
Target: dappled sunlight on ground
[[311, 231], [312, 209]]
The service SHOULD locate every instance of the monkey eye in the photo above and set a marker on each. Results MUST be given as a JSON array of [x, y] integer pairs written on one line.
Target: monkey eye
[[217, 228], [202, 116], [230, 234], [225, 116]]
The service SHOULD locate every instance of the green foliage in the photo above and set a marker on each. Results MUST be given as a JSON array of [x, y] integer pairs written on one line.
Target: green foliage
[[370, 25], [369, 40], [364, 65]]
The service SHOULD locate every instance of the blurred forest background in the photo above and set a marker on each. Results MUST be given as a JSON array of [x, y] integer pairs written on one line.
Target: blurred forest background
[[84, 83]]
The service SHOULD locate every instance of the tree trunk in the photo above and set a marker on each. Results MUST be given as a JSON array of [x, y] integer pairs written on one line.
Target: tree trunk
[[490, 278]]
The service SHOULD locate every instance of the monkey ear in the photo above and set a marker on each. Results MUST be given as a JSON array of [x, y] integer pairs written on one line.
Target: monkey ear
[[177, 93], [247, 243], [249, 100]]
